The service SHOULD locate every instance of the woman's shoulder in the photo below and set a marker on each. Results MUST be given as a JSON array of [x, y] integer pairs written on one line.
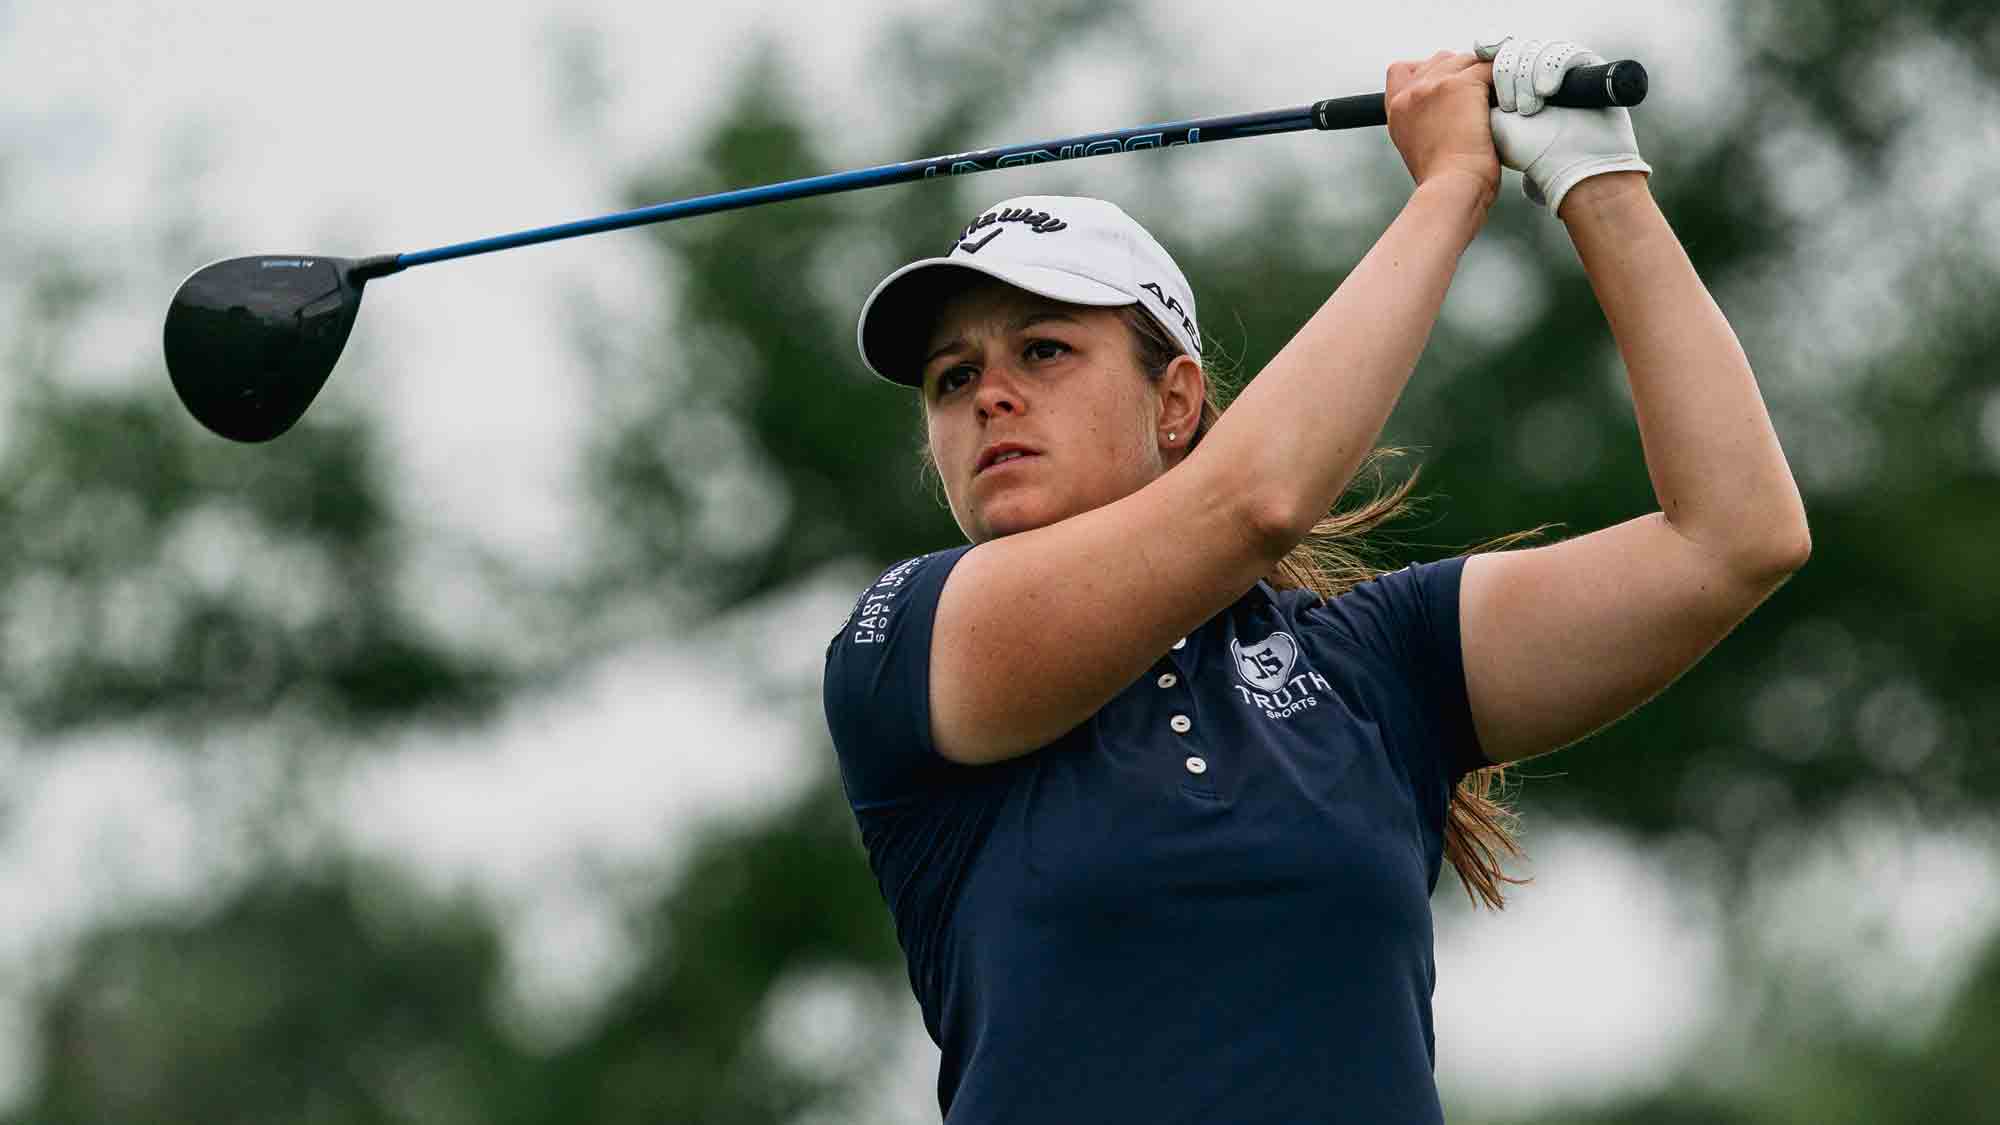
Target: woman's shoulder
[[913, 579]]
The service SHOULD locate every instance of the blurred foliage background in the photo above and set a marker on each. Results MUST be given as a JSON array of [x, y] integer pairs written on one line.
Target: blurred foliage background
[[248, 606]]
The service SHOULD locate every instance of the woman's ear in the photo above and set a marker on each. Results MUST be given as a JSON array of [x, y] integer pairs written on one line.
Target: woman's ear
[[1183, 388]]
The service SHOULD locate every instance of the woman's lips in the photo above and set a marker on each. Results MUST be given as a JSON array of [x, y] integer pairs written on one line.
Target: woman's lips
[[1007, 461]]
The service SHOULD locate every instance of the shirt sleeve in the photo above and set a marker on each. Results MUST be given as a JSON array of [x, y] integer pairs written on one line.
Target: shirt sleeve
[[1409, 619], [877, 687]]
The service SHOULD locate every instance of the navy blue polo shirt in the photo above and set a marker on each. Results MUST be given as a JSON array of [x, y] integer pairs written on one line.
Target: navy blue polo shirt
[[1208, 903]]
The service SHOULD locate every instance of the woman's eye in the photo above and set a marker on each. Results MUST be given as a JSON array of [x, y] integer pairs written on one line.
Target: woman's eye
[[1046, 349], [954, 378]]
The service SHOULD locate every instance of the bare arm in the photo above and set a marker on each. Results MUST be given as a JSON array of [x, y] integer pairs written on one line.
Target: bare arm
[[1564, 639], [1037, 630]]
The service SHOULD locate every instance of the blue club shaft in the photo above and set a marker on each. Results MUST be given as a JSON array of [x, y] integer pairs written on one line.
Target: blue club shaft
[[1617, 83], [1145, 137]]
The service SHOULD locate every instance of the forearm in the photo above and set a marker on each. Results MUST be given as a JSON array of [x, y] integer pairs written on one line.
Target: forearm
[[1716, 465], [1299, 431]]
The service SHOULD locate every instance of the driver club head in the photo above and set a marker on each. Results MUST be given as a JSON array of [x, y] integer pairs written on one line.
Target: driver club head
[[250, 341]]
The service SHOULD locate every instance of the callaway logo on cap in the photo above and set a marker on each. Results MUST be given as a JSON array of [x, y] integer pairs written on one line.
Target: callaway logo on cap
[[1066, 248]]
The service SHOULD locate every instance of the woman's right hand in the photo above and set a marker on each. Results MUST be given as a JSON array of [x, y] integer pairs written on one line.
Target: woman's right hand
[[1438, 119]]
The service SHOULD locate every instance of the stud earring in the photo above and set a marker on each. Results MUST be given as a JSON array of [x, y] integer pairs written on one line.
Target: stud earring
[[1171, 436]]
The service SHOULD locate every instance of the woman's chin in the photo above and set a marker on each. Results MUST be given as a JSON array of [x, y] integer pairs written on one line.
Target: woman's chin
[[1009, 518]]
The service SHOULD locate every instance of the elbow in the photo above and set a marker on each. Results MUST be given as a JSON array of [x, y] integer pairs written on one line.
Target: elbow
[[1275, 522], [1778, 554], [1796, 549], [1800, 546]]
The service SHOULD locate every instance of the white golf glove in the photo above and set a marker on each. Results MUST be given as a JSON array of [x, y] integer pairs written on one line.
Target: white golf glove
[[1554, 148]]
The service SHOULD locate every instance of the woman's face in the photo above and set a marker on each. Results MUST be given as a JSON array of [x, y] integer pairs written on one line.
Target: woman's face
[[1036, 410]]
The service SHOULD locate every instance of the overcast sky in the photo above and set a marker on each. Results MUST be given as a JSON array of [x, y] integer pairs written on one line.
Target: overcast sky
[[372, 126]]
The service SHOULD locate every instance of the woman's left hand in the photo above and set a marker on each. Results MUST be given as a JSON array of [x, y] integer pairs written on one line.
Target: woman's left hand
[[1553, 147]]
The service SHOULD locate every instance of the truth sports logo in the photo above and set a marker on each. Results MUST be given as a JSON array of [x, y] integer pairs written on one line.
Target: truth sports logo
[[1267, 667]]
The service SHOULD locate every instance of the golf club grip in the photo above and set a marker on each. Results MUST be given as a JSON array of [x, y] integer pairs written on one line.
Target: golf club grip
[[1584, 87]]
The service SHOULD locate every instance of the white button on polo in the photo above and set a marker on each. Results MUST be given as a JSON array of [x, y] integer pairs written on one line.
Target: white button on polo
[[1180, 644], [1197, 765], [1168, 679], [1180, 723]]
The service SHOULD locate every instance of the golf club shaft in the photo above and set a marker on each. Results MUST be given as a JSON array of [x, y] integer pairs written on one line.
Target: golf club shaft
[[1618, 83]]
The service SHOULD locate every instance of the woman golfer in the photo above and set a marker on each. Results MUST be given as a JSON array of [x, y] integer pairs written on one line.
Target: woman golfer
[[1158, 822]]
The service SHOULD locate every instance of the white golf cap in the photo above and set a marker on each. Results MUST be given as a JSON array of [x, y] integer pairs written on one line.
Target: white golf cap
[[1067, 248]]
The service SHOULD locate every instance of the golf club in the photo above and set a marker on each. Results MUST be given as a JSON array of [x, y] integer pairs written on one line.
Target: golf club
[[250, 341]]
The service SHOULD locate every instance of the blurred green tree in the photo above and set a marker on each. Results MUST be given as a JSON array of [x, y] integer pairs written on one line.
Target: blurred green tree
[[302, 999], [762, 910], [1849, 1077], [153, 572]]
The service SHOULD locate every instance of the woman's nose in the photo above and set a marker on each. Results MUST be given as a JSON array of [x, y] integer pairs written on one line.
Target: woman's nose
[[998, 394]]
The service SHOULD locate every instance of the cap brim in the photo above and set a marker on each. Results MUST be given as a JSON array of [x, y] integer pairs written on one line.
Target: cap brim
[[896, 318]]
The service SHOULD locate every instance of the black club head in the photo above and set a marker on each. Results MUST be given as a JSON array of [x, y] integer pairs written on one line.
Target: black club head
[[250, 341]]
